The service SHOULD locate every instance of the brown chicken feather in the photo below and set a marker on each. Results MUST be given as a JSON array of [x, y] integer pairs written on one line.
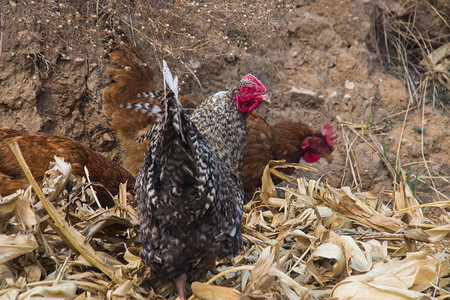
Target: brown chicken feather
[[259, 152], [129, 76], [39, 150]]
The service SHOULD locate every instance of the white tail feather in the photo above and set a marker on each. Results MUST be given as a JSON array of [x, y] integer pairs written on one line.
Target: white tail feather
[[171, 82]]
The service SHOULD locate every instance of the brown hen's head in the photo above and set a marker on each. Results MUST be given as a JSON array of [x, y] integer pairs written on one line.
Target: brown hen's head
[[318, 146], [249, 94]]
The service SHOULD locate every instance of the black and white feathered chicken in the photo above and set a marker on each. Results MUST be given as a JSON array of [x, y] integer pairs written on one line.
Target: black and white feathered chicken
[[189, 190]]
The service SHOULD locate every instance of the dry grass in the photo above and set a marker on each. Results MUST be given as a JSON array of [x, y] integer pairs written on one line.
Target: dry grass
[[412, 39]]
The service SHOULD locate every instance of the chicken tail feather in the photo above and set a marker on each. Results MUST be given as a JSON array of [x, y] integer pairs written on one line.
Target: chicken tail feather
[[147, 109]]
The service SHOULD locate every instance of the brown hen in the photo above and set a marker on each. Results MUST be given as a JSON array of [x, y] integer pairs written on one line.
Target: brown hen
[[39, 149], [287, 140]]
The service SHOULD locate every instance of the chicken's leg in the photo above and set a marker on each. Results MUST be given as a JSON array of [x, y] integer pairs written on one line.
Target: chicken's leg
[[180, 283]]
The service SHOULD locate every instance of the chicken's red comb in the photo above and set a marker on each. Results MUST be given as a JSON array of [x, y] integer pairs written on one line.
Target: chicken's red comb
[[327, 132], [261, 88]]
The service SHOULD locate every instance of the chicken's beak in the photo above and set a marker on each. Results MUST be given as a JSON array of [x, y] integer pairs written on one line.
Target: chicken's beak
[[328, 157], [267, 99]]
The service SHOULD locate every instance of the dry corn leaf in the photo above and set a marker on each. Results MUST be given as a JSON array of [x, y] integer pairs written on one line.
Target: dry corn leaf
[[291, 288], [18, 204], [257, 219], [439, 233], [12, 246], [9, 293], [133, 260], [277, 202], [363, 290], [6, 274], [59, 291], [327, 262], [404, 199], [378, 250], [357, 260], [261, 278], [278, 220], [108, 220], [33, 272], [397, 279], [339, 201], [213, 292], [267, 187], [417, 214], [104, 257], [281, 164], [370, 198], [121, 292]]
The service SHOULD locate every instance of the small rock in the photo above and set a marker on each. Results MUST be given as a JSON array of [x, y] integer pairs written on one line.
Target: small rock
[[305, 96], [64, 56], [308, 15], [349, 85], [295, 90], [195, 64], [347, 96]]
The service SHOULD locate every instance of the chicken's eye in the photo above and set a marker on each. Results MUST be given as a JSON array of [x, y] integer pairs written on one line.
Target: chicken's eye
[[247, 90], [319, 142]]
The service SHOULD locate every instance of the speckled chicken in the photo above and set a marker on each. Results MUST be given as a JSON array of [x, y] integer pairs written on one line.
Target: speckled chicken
[[189, 191], [130, 75]]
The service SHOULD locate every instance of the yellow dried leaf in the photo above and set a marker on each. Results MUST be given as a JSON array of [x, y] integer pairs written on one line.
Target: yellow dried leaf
[[291, 288], [133, 260], [6, 273], [278, 220], [24, 211], [213, 292], [277, 202], [267, 187], [397, 279], [257, 219], [359, 261], [437, 56], [340, 201], [18, 204], [378, 251], [33, 273], [12, 246], [439, 233], [355, 257], [122, 291], [65, 290], [327, 262], [261, 278]]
